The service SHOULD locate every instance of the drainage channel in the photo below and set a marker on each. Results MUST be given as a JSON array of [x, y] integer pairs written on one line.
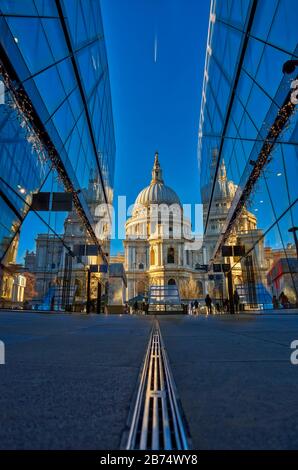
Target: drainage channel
[[157, 419]]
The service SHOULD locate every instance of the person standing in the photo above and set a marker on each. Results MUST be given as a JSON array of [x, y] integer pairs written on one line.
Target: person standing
[[208, 302], [236, 300]]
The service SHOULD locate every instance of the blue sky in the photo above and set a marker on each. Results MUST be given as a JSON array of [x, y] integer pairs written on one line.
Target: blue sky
[[156, 105]]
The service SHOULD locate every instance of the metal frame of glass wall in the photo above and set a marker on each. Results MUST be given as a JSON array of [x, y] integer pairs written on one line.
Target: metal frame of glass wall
[[248, 122], [55, 111]]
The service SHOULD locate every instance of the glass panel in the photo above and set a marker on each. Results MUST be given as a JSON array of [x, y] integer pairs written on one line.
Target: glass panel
[[34, 46]]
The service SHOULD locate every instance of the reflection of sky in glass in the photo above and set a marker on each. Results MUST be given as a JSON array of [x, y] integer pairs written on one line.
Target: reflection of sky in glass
[[46, 60], [262, 88], [20, 167]]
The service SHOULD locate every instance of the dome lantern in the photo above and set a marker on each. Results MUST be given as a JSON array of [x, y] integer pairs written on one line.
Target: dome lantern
[[157, 192], [156, 171]]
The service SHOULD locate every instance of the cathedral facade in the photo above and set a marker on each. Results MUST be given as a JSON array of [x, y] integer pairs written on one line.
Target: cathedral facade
[[158, 240]]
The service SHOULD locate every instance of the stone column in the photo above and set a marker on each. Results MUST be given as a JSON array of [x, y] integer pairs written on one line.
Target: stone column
[[134, 257], [204, 255], [159, 254], [129, 257], [146, 258]]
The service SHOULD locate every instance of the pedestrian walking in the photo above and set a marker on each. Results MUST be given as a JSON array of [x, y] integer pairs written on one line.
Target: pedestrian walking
[[208, 302]]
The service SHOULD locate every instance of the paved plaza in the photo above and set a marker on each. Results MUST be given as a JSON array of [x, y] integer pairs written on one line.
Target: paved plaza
[[69, 380]]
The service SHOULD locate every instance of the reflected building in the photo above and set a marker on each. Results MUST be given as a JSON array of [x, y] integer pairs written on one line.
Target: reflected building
[[56, 113], [248, 148], [61, 277], [13, 281], [244, 233], [282, 270]]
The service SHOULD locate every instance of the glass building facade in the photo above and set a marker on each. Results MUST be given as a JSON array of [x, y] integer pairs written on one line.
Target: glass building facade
[[55, 107], [248, 147]]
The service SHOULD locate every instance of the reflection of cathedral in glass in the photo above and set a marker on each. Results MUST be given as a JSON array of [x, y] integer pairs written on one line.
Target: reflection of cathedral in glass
[[252, 275], [244, 233], [61, 278], [250, 119]]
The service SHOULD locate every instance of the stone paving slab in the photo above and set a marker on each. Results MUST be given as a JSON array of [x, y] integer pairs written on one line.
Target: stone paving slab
[[237, 385], [68, 380]]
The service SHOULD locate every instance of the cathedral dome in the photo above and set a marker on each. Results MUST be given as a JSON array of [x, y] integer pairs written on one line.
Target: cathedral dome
[[157, 192]]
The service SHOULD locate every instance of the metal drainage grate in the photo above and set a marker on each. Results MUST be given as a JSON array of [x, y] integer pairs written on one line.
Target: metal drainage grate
[[157, 422]]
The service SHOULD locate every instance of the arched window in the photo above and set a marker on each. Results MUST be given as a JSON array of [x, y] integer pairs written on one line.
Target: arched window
[[141, 266], [152, 256], [171, 255], [171, 225], [200, 288], [171, 282]]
